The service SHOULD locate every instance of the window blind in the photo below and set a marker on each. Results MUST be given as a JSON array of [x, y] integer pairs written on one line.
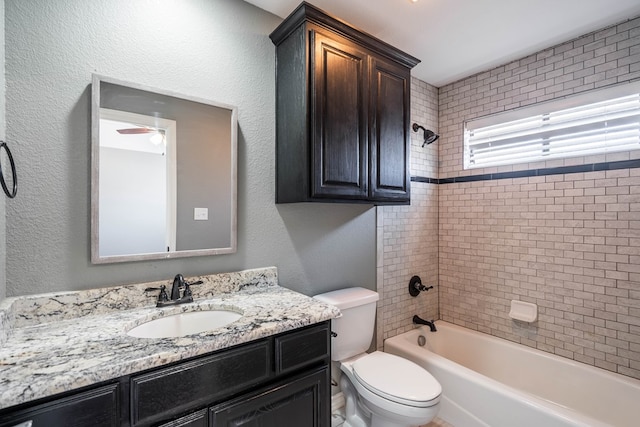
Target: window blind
[[605, 126]]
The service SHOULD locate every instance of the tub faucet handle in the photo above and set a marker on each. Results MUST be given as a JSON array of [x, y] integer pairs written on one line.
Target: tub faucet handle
[[416, 286]]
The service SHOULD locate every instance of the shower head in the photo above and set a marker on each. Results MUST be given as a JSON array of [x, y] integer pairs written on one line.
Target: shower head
[[429, 135]]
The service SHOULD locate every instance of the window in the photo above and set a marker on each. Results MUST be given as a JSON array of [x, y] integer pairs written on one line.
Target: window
[[597, 122]]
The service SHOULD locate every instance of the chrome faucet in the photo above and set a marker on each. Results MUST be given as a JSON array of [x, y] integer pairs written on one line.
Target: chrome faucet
[[175, 299]]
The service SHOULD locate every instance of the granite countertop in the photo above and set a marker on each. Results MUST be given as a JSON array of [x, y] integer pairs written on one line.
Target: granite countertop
[[59, 342]]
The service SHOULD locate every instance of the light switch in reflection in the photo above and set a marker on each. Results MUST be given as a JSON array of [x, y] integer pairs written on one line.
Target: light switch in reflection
[[201, 214]]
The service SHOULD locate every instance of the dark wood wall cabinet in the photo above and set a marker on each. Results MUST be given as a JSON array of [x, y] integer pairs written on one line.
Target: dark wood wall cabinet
[[278, 381], [342, 113]]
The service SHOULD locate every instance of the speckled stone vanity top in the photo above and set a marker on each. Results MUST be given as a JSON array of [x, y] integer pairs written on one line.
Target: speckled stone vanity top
[[58, 342]]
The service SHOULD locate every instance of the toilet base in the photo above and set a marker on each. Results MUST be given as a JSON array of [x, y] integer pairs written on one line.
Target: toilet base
[[381, 419], [355, 414]]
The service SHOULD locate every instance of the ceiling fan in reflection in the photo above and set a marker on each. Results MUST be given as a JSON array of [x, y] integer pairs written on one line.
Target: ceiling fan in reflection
[[157, 139]]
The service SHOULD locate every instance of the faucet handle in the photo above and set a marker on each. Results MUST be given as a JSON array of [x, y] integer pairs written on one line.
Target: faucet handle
[[187, 289], [162, 297], [416, 286], [163, 294]]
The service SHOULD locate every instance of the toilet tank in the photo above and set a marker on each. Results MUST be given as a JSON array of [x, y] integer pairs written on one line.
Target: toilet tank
[[354, 328]]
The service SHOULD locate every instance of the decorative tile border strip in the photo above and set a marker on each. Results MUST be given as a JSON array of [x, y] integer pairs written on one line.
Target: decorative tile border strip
[[592, 167]]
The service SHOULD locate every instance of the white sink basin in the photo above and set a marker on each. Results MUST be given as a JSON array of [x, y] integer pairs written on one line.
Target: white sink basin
[[179, 325]]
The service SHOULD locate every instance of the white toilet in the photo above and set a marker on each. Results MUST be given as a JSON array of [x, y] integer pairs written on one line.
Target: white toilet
[[380, 389]]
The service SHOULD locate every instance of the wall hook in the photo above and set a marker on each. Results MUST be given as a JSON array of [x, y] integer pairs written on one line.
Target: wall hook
[[429, 135]]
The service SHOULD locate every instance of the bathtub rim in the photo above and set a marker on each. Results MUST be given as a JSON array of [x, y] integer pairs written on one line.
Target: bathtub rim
[[549, 356]]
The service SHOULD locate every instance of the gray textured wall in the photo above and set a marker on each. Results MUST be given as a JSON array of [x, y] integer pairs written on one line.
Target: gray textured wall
[[3, 245], [215, 49]]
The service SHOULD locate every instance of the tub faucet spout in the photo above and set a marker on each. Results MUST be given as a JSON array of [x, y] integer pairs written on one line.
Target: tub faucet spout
[[418, 321]]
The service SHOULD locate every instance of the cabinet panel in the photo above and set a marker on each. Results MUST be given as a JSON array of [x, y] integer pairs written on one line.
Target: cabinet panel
[[339, 79], [303, 348], [292, 158], [301, 402], [165, 393], [98, 407], [389, 137]]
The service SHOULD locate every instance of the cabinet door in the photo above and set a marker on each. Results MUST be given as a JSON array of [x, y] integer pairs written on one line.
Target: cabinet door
[[389, 131], [339, 81], [301, 402]]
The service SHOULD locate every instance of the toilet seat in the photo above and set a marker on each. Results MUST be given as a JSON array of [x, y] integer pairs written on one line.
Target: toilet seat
[[397, 379]]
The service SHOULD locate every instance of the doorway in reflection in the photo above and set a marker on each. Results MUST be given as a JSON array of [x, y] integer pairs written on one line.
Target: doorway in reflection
[[137, 191]]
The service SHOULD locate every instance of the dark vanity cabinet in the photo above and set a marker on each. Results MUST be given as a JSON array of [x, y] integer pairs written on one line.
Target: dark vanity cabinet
[[342, 113], [278, 381]]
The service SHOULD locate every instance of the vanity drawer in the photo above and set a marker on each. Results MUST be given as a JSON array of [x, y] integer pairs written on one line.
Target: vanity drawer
[[197, 419], [97, 407], [303, 348], [167, 392]]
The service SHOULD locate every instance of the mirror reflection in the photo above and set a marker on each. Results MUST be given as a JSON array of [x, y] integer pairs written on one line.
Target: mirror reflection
[[163, 172]]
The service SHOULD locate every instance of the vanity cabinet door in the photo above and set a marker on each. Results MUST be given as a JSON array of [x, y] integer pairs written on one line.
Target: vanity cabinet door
[[339, 118], [93, 408], [300, 402]]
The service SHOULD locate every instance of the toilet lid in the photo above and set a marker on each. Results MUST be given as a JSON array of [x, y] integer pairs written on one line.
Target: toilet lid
[[396, 379]]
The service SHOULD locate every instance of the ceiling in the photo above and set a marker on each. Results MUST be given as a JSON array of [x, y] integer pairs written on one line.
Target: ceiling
[[458, 38]]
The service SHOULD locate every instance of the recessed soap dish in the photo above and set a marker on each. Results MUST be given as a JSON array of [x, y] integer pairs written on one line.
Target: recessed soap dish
[[524, 311]]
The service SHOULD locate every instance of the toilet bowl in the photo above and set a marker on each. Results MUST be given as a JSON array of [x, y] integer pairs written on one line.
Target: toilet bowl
[[380, 389]]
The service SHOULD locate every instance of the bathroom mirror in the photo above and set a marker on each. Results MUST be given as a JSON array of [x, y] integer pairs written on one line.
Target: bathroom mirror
[[164, 174]]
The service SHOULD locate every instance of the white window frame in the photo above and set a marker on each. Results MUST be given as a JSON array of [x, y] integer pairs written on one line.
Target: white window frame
[[581, 125]]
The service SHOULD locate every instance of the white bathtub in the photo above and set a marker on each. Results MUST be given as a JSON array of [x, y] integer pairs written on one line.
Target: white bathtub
[[491, 382]]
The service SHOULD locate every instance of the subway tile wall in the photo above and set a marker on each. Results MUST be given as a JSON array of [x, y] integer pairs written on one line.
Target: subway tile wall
[[568, 242], [598, 59], [408, 235]]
